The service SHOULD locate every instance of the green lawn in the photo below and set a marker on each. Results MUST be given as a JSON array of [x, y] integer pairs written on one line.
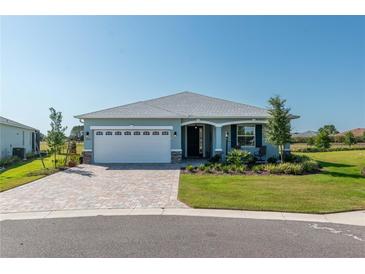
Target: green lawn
[[339, 187], [17, 174]]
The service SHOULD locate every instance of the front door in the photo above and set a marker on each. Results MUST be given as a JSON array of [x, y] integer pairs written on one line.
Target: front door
[[195, 141]]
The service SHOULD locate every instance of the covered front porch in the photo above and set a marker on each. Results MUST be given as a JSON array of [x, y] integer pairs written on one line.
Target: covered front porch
[[201, 139]]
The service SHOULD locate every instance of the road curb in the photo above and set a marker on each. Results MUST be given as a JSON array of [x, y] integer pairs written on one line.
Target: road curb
[[349, 218]]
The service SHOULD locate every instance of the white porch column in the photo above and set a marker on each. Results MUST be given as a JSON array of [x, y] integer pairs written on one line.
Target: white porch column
[[218, 140]]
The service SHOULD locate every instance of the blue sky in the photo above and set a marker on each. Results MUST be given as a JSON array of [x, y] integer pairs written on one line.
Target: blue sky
[[82, 64]]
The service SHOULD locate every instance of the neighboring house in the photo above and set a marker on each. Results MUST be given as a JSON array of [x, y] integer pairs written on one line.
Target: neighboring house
[[16, 135], [167, 129]]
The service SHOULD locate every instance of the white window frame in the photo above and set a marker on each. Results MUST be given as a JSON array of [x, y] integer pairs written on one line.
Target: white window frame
[[254, 134]]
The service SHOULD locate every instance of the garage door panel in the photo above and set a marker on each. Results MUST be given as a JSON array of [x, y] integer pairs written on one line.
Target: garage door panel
[[132, 148]]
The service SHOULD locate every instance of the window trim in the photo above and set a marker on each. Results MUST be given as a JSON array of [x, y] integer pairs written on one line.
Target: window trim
[[254, 135]]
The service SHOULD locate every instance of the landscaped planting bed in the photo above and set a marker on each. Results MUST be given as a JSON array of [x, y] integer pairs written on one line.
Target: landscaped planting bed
[[242, 163]]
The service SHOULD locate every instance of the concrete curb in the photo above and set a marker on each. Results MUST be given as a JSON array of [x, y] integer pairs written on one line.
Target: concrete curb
[[349, 218]]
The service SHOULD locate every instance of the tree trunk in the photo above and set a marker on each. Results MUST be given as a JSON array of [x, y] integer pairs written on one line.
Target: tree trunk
[[282, 153], [55, 159]]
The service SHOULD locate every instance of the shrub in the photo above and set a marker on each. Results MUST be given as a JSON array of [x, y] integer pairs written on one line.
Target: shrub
[[225, 169], [239, 157], [9, 161], [190, 168], [202, 167], [294, 158], [285, 168], [216, 158], [258, 168], [241, 169], [310, 166]]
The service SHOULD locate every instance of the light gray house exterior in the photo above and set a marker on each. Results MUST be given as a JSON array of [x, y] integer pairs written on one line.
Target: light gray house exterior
[[16, 135], [182, 125]]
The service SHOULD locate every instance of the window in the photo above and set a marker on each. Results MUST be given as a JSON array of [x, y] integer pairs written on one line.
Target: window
[[165, 133], [136, 133], [155, 133], [118, 133], [146, 133], [108, 133], [127, 133], [245, 136], [99, 133]]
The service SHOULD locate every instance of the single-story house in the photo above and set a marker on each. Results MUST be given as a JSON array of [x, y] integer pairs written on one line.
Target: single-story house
[[169, 128], [16, 135]]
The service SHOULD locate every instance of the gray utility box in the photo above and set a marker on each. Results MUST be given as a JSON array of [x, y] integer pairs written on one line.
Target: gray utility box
[[19, 151]]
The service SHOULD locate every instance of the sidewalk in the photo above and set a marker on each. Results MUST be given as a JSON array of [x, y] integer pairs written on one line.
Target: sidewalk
[[349, 218]]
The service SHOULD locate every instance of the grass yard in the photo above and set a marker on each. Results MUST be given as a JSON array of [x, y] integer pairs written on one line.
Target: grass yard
[[17, 174], [339, 187]]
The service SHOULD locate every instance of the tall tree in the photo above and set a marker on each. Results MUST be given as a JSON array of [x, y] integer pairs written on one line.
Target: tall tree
[[331, 129], [77, 133], [56, 136], [323, 140], [278, 128], [349, 138]]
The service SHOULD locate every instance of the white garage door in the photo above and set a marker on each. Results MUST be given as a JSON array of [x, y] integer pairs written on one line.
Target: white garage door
[[132, 146]]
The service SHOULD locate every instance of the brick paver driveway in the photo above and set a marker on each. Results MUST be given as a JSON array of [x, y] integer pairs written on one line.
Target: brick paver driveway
[[94, 187]]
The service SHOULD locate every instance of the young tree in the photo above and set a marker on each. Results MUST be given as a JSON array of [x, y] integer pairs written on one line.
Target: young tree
[[311, 141], [323, 140], [349, 139], [56, 136], [331, 129], [278, 128]]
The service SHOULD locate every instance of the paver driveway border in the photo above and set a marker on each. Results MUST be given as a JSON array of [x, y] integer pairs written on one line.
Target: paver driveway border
[[350, 218]]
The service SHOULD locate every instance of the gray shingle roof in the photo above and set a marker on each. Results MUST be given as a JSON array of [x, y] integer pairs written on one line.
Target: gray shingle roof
[[6, 121], [181, 105]]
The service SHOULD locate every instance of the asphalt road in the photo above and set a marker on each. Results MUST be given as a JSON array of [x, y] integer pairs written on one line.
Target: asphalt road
[[177, 236]]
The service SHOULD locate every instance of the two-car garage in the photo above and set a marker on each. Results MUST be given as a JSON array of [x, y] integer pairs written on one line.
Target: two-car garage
[[132, 145]]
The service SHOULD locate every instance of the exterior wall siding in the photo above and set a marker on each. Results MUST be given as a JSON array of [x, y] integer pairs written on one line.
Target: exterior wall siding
[[11, 137], [178, 142]]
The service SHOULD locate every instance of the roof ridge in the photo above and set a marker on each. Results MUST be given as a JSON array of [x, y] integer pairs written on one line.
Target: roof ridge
[[229, 101]]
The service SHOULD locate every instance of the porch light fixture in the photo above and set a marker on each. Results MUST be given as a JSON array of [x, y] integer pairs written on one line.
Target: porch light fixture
[[226, 134], [87, 133], [175, 133]]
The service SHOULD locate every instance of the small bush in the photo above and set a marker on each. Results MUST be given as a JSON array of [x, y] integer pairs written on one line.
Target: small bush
[[226, 169], [202, 167], [284, 168], [239, 157], [310, 166], [190, 168], [241, 169], [9, 161], [258, 168]]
